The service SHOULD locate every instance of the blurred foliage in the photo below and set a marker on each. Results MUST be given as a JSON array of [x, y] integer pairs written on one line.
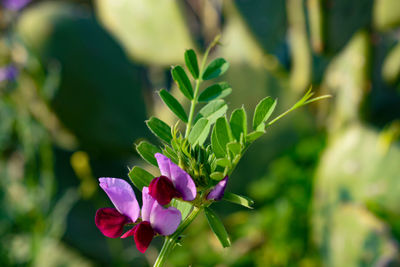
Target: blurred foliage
[[99, 97], [324, 180]]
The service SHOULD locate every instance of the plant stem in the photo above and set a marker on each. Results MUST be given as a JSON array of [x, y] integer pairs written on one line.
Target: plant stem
[[171, 241], [198, 82], [193, 105]]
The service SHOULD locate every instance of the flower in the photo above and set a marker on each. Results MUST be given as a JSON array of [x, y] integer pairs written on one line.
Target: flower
[[155, 218], [8, 73], [173, 182], [15, 5], [218, 191]]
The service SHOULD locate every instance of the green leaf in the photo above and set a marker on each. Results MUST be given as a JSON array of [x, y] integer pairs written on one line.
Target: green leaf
[[199, 132], [215, 91], [140, 177], [217, 227], [223, 162], [183, 206], [191, 63], [213, 110], [180, 77], [216, 68], [223, 132], [240, 200], [159, 129], [234, 147], [173, 105], [216, 147], [263, 111], [170, 153], [217, 176], [147, 151], [305, 100], [238, 123], [251, 137]]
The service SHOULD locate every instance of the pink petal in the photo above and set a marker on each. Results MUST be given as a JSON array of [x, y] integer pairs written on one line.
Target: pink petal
[[165, 220], [143, 234], [218, 191], [163, 164], [110, 222], [147, 206], [122, 196], [182, 181], [163, 190]]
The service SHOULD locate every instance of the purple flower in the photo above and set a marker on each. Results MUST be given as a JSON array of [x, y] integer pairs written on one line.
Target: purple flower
[[15, 5], [155, 218], [218, 191], [8, 73], [173, 182]]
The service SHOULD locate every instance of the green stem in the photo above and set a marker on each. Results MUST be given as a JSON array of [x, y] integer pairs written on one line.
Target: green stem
[[171, 241], [193, 105], [198, 82]]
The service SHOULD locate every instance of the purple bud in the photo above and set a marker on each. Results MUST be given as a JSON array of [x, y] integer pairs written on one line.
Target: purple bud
[[218, 191]]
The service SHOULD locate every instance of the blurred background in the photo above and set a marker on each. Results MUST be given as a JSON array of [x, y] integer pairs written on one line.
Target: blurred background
[[78, 79]]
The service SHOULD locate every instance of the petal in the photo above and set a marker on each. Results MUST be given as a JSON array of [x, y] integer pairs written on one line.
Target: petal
[[129, 233], [147, 205], [165, 220], [122, 196], [143, 236], [163, 164], [218, 191], [183, 182], [163, 190], [110, 222]]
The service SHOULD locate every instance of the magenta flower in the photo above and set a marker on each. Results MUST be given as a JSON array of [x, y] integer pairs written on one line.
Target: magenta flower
[[156, 220], [173, 182], [218, 191]]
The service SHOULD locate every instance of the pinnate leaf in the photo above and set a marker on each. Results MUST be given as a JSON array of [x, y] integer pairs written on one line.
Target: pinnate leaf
[[238, 123], [140, 177], [199, 132], [215, 91], [216, 68], [147, 151], [184, 84], [191, 63], [217, 227], [173, 105], [216, 147], [159, 129], [262, 112], [213, 110], [240, 200], [223, 132]]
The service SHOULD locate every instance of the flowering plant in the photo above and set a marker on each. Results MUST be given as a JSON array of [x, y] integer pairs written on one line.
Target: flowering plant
[[193, 174]]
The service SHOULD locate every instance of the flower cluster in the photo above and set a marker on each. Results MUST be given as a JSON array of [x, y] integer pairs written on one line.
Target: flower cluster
[[194, 165], [155, 217]]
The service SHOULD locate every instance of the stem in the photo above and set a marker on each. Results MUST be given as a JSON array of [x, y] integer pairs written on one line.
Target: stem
[[193, 104], [198, 82], [171, 241]]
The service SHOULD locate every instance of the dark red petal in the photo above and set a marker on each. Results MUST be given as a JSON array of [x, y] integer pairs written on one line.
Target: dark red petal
[[163, 190], [129, 233], [110, 222], [143, 235]]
